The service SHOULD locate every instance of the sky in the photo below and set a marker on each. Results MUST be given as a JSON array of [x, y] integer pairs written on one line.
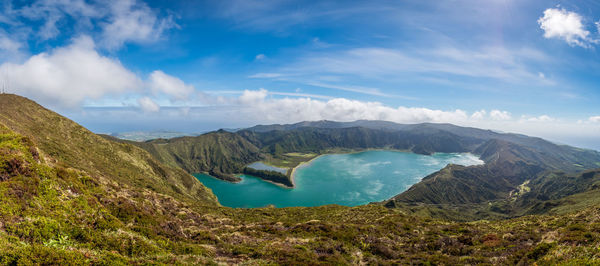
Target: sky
[[530, 67]]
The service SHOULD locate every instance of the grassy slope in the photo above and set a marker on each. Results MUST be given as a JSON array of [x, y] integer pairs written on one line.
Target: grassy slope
[[550, 193], [74, 146], [554, 193], [221, 153], [508, 165], [52, 212]]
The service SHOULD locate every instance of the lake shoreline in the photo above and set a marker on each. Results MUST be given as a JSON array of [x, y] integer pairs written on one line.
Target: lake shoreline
[[292, 179], [344, 178]]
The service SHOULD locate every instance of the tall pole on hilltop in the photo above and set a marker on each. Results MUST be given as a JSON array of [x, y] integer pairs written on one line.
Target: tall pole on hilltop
[[3, 85], [4, 82]]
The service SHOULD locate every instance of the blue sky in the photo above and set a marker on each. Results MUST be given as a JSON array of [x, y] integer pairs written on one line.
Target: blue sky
[[521, 66]]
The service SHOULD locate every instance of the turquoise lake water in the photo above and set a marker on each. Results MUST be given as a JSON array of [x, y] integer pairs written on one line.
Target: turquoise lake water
[[344, 179]]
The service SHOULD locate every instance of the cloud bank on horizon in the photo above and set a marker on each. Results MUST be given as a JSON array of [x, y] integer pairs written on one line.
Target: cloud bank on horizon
[[502, 64]]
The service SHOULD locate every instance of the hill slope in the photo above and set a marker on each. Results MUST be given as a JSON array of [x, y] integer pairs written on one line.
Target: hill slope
[[54, 211], [219, 153], [74, 146], [507, 165]]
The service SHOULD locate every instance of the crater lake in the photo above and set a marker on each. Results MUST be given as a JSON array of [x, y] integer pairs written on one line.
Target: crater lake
[[345, 179]]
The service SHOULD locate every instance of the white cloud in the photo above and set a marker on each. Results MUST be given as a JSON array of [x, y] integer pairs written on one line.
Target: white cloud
[[261, 108], [500, 115], [135, 22], [148, 105], [251, 97], [174, 87], [120, 21], [69, 75], [13, 45], [260, 57], [478, 115], [8, 44], [566, 25], [594, 119], [537, 119], [51, 12]]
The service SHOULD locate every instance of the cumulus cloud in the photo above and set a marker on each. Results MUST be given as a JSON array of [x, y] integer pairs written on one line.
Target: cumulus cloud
[[135, 22], [565, 25], [260, 57], [251, 97], [67, 76], [174, 87], [148, 105], [76, 74], [541, 118], [262, 108], [478, 115]]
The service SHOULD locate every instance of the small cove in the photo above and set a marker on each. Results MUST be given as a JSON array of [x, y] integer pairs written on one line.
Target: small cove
[[344, 179]]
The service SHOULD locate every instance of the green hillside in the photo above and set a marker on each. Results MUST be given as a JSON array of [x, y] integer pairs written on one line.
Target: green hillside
[[70, 197], [221, 153], [64, 141]]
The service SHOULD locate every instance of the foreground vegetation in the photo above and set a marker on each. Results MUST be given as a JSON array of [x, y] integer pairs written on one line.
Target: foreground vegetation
[[50, 214], [114, 205]]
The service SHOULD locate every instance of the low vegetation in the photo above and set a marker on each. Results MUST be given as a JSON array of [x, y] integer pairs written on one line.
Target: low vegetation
[[59, 205]]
